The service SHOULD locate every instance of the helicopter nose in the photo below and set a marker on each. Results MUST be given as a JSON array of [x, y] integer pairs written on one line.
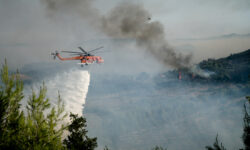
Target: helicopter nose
[[101, 61]]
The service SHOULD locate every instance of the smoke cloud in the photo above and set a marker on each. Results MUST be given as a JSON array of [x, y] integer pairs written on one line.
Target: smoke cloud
[[126, 20], [83, 7], [136, 113], [129, 20]]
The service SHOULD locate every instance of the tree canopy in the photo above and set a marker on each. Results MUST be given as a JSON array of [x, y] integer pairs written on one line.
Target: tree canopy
[[40, 125]]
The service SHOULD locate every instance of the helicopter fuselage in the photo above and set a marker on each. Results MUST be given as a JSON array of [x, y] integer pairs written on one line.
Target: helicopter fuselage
[[84, 59]]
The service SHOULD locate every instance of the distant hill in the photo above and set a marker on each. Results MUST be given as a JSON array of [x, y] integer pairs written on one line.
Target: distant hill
[[225, 36], [235, 68], [234, 35]]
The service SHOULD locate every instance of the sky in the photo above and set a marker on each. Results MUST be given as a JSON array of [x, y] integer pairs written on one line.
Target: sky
[[197, 18], [28, 33]]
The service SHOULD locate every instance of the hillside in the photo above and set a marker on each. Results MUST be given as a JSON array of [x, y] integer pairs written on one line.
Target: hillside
[[234, 68]]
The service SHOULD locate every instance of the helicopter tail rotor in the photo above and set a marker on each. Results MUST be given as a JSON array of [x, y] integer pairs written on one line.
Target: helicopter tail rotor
[[54, 54]]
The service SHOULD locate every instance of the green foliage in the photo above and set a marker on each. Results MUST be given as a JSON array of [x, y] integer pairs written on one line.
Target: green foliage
[[246, 134], [42, 130], [216, 145], [234, 68], [42, 127], [248, 98], [11, 119], [106, 147], [158, 148], [78, 139], [34, 131]]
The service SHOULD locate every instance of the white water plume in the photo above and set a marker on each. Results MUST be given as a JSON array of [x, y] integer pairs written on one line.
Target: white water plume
[[72, 86]]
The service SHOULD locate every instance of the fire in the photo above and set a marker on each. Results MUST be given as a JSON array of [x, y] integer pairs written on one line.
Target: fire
[[179, 75]]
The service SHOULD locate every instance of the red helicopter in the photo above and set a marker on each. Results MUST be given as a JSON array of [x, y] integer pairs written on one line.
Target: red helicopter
[[85, 57]]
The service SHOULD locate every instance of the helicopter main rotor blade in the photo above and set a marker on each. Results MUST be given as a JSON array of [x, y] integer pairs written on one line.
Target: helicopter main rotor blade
[[72, 52], [82, 50], [78, 54], [96, 49], [101, 52]]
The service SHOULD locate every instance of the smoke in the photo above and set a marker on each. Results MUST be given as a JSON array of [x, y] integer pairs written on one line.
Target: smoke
[[136, 113], [126, 20], [129, 20], [195, 69], [83, 7], [72, 86]]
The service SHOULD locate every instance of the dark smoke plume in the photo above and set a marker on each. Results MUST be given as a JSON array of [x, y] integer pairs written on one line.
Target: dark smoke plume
[[129, 21], [82, 8]]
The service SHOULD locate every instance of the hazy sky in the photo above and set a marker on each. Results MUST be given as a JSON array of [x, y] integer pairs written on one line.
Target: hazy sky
[[196, 18], [27, 34]]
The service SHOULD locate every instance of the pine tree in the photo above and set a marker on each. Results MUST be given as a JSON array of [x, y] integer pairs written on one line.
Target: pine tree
[[42, 127], [216, 145], [37, 130], [246, 134], [42, 130], [106, 147], [11, 118], [78, 139], [159, 148]]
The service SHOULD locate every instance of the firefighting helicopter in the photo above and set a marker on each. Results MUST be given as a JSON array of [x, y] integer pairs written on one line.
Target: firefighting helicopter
[[85, 57]]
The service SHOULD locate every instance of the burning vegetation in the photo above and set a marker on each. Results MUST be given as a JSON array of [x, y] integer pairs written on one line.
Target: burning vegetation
[[234, 68]]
